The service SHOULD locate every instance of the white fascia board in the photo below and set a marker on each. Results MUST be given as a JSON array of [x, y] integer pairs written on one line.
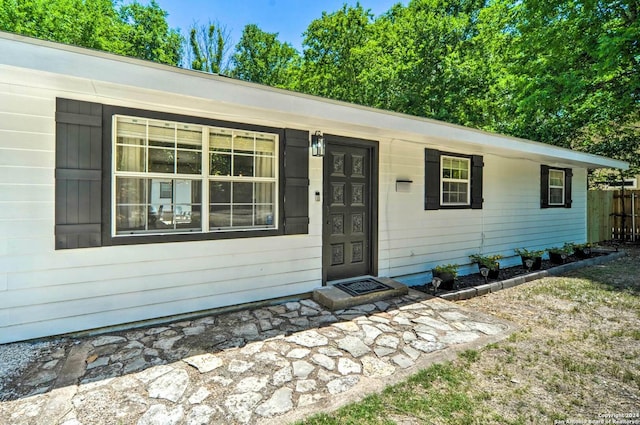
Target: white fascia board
[[19, 51]]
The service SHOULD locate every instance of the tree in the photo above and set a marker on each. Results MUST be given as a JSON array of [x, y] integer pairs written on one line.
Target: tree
[[331, 60], [87, 23], [208, 47], [260, 57], [147, 34]]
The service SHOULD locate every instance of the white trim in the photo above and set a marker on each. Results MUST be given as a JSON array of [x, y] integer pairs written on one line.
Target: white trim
[[204, 178], [102, 69], [563, 187], [452, 180]]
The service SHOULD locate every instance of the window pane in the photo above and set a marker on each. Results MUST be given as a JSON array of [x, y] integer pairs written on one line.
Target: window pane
[[220, 192], [264, 215], [219, 216], [161, 160], [131, 131], [220, 140], [189, 162], [188, 199], [242, 193], [130, 191], [454, 193], [556, 178], [556, 196], [265, 144], [220, 165], [243, 165], [162, 134], [129, 158], [243, 142], [188, 192], [131, 218], [161, 191], [242, 216], [265, 193], [189, 137], [264, 166]]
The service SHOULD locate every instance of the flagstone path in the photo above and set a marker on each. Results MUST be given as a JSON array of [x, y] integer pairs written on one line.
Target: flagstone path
[[268, 365]]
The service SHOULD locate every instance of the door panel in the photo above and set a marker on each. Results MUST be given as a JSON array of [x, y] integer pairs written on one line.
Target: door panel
[[347, 211]]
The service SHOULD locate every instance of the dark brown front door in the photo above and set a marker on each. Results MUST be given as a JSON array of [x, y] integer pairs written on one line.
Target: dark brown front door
[[349, 217]]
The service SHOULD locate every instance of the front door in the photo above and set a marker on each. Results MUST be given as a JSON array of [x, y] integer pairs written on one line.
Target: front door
[[350, 221]]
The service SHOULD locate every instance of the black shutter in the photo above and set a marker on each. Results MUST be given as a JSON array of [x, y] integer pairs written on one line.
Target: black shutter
[[476, 182], [296, 182], [544, 186], [78, 174], [568, 176], [431, 179]]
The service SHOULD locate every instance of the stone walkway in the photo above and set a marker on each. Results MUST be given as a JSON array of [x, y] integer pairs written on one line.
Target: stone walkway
[[274, 364]]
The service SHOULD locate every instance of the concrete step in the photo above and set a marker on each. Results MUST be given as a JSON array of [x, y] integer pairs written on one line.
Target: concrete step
[[334, 298]]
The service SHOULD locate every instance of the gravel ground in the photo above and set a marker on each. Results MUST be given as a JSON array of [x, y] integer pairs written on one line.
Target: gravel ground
[[15, 358]]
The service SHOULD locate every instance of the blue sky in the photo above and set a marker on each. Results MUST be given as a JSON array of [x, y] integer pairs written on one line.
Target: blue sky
[[289, 18]]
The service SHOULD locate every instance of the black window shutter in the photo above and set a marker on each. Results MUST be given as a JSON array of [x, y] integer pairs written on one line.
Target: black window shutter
[[431, 179], [544, 186], [78, 174], [568, 176], [296, 182], [476, 181]]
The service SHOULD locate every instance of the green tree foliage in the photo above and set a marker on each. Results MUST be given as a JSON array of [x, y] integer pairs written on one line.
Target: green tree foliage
[[208, 47], [261, 58], [565, 72], [88, 23], [132, 29], [332, 58], [147, 35]]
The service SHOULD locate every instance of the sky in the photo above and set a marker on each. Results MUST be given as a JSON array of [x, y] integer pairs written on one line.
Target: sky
[[288, 18]]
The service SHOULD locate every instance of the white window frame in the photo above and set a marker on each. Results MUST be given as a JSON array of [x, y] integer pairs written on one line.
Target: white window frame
[[204, 177], [562, 186], [452, 180]]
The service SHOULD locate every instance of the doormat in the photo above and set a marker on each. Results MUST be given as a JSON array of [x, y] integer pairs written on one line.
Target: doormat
[[362, 287]]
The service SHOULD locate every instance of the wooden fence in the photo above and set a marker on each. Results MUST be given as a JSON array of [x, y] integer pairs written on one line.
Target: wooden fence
[[613, 216]]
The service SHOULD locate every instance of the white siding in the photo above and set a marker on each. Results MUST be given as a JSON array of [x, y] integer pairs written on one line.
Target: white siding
[[46, 292], [413, 240]]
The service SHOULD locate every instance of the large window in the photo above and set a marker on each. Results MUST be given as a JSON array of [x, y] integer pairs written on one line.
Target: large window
[[456, 180], [167, 173]]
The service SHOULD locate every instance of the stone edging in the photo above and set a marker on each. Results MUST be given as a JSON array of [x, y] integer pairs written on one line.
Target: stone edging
[[466, 293]]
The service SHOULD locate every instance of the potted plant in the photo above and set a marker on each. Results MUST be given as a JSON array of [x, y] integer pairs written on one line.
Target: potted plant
[[582, 250], [447, 274], [533, 255], [559, 255], [488, 261]]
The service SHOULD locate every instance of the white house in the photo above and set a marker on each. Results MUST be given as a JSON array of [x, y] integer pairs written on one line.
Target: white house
[[108, 163]]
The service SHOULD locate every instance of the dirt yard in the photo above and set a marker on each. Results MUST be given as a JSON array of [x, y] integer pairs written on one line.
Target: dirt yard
[[577, 354]]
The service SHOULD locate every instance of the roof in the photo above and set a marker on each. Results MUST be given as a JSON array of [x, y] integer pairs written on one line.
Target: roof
[[316, 112]]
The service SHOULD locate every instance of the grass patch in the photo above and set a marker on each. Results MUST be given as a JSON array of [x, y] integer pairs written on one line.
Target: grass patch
[[434, 395]]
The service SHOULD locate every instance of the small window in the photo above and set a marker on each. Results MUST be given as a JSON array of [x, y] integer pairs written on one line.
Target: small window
[[555, 187], [452, 180], [456, 180]]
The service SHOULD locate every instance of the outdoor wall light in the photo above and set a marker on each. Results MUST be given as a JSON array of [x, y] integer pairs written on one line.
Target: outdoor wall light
[[317, 144]]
